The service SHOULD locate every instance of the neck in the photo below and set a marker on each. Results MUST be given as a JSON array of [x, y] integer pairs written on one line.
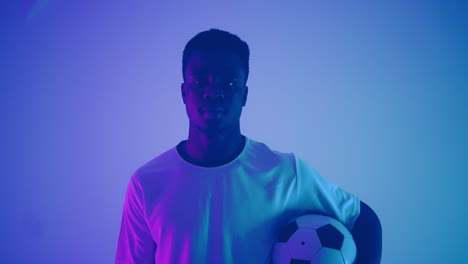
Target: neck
[[216, 149]]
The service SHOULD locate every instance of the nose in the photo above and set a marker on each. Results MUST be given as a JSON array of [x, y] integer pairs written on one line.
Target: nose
[[213, 92]]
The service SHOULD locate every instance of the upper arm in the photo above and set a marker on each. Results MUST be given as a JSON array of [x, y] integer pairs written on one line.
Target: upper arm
[[367, 233], [135, 244], [314, 194]]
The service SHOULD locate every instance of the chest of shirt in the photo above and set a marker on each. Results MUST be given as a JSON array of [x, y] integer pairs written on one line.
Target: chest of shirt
[[215, 207]]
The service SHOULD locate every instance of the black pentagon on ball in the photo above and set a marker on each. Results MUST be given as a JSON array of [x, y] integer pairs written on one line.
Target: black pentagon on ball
[[330, 237], [287, 232], [299, 261]]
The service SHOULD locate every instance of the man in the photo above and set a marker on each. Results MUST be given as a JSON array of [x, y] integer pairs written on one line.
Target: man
[[219, 196]]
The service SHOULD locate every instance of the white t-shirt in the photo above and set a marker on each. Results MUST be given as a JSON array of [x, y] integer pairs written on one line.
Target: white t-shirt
[[177, 212]]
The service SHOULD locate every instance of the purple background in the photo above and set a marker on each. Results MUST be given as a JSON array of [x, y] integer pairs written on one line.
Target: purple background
[[373, 95]]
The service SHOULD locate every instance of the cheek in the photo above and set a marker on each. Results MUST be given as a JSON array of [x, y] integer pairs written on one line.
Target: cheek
[[191, 99], [192, 105]]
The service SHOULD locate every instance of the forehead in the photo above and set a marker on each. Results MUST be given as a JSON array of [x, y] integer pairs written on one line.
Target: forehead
[[214, 62]]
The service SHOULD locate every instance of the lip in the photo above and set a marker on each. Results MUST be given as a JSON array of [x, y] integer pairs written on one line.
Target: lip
[[213, 109]]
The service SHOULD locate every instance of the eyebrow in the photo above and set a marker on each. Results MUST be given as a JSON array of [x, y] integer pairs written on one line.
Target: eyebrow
[[198, 73], [225, 74]]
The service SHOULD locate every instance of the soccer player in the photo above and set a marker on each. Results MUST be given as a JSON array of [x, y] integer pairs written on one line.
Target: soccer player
[[220, 196]]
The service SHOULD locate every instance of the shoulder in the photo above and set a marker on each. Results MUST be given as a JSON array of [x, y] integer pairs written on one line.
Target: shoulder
[[308, 175], [264, 155], [157, 166]]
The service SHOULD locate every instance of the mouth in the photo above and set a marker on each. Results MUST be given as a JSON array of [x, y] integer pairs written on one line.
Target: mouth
[[213, 113], [213, 109]]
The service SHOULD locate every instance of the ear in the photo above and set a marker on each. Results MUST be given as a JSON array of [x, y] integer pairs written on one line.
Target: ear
[[182, 90], [246, 92]]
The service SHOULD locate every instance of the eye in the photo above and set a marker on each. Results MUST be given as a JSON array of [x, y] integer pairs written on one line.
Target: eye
[[232, 83], [198, 82]]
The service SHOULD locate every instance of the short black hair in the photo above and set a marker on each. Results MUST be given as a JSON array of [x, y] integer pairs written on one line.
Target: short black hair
[[216, 39]]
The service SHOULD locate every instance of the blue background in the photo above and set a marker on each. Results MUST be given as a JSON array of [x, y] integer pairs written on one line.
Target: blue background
[[373, 95]]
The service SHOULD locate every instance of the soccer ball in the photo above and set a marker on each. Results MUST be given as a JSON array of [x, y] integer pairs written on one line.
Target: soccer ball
[[314, 239]]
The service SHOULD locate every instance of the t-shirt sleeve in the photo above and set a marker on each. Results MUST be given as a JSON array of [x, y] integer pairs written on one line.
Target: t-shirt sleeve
[[317, 195], [135, 244]]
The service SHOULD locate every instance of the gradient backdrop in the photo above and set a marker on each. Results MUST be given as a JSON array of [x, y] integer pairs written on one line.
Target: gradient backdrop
[[373, 95]]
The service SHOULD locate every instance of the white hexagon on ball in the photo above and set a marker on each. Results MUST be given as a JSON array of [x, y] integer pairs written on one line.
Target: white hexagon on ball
[[314, 239]]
